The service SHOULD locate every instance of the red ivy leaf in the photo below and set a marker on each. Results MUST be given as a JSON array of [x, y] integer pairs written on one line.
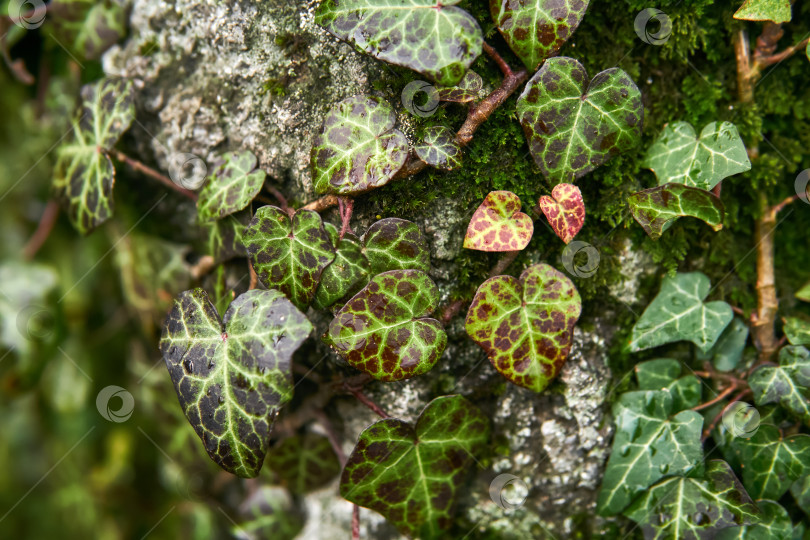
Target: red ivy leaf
[[565, 211], [499, 225]]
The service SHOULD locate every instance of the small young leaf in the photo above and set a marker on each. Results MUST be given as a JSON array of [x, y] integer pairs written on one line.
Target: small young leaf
[[304, 463], [232, 186], [385, 331], [797, 330], [439, 148], [649, 444], [499, 225], [413, 475], [787, 384], [773, 524], [464, 91], [679, 156], [88, 27], [662, 374], [678, 313], [223, 237], [573, 124], [233, 375], [657, 208], [526, 326], [564, 210], [772, 462], [776, 11], [436, 39], [536, 29], [289, 254], [727, 352], [84, 175], [358, 148], [269, 512], [680, 507], [801, 492]]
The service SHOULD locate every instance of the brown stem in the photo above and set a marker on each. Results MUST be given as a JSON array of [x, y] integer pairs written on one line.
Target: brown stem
[[254, 279], [781, 206], [452, 309], [503, 263], [355, 522], [745, 80], [718, 189], [479, 114], [282, 200], [365, 400], [763, 321], [502, 65], [346, 205], [324, 203], [331, 434], [720, 397], [148, 171], [44, 228], [708, 431], [203, 266], [787, 53]]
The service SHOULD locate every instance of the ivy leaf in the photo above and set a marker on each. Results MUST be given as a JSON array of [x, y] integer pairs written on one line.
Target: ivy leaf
[[289, 254], [436, 39], [564, 210], [657, 208], [269, 512], [536, 29], [499, 225], [801, 492], [727, 352], [526, 326], [797, 330], [777, 11], [439, 148], [649, 444], [233, 185], [464, 91], [679, 156], [772, 462], [573, 124], [803, 294], [89, 27], [84, 175], [663, 374], [304, 463], [773, 524], [223, 237], [413, 475], [233, 375], [690, 508], [347, 274], [678, 313], [786, 384], [385, 331], [358, 148]]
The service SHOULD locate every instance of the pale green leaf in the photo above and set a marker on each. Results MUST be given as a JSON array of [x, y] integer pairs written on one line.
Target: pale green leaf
[[776, 11]]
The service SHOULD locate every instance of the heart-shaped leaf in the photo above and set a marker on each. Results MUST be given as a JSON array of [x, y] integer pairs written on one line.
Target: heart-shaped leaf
[[385, 329], [84, 175], [289, 254], [499, 225], [526, 326], [564, 210], [787, 384], [664, 374], [680, 507], [304, 463], [679, 156], [777, 11], [233, 375], [797, 330], [233, 185], [464, 91], [347, 274], [358, 148], [439, 148], [536, 29], [727, 352], [269, 512], [773, 524], [88, 27], [432, 37], [574, 125], [413, 475], [678, 313], [649, 444], [657, 208]]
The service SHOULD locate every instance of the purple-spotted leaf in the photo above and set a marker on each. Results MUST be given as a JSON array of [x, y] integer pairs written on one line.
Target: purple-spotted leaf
[[499, 225], [385, 329], [304, 463], [657, 208], [574, 124], [777, 11], [564, 210], [347, 274], [414, 475], [223, 237], [289, 254], [87, 27], [464, 91], [358, 148], [233, 375], [439, 148], [432, 37], [526, 326], [536, 29], [232, 186]]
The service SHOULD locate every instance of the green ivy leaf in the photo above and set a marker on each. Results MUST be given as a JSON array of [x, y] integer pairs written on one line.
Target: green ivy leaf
[[84, 175], [777, 11], [233, 375], [536, 29], [772, 462], [304, 463], [663, 374], [564, 210], [690, 508], [464, 91], [347, 274], [526, 326], [385, 331], [413, 475], [223, 237], [232, 186], [649, 444], [679, 156], [289, 254], [499, 225], [88, 27], [657, 208], [803, 294], [800, 489], [436, 39], [786, 384], [727, 352], [774, 524], [573, 124], [797, 330], [358, 148], [678, 313], [439, 148], [269, 512]]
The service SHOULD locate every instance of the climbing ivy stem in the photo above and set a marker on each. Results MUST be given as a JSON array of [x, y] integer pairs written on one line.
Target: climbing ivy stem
[[148, 171], [737, 397], [44, 228]]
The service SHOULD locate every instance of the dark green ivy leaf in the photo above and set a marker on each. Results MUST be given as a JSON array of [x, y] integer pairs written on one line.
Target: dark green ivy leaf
[[269, 512], [347, 274], [232, 186], [655, 209], [223, 237], [663, 374], [801, 492], [787, 384], [774, 524], [464, 91], [439, 148], [727, 352], [304, 463], [797, 330], [88, 27]]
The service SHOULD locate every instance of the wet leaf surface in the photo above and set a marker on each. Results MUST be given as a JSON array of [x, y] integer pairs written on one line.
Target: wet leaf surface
[[787, 384], [232, 186], [657, 208], [499, 225], [439, 148], [665, 374], [304, 463], [564, 210], [727, 352], [347, 274]]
